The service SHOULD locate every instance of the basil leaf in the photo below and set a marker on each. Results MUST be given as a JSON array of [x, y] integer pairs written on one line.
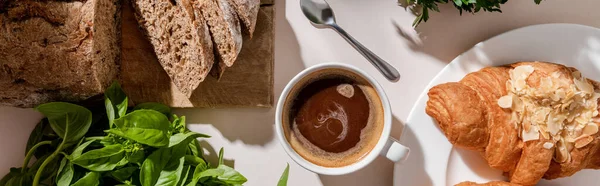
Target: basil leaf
[[166, 110], [150, 170], [185, 175], [14, 172], [284, 176], [157, 161], [195, 148], [104, 159], [200, 173], [123, 174], [50, 169], [115, 102], [65, 172], [230, 175], [19, 180], [79, 149], [221, 156], [136, 157], [90, 179], [171, 174], [194, 160], [180, 137], [69, 121], [147, 127], [36, 135], [42, 132], [178, 125]]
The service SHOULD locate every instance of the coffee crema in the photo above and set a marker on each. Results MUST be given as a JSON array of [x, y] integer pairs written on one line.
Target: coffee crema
[[334, 119]]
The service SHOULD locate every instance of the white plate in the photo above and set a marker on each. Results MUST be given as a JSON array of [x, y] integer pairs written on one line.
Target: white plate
[[433, 161]]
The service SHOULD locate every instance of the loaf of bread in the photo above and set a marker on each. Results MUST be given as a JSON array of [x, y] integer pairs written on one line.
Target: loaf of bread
[[224, 29], [180, 38], [57, 50], [247, 11]]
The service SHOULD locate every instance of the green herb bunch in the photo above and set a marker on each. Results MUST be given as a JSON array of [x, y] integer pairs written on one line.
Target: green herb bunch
[[116, 145], [471, 6]]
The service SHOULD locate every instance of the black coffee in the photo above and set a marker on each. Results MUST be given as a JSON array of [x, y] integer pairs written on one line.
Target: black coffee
[[335, 118], [331, 114]]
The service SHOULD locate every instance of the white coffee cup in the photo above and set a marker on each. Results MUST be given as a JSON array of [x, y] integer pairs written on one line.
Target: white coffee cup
[[386, 146]]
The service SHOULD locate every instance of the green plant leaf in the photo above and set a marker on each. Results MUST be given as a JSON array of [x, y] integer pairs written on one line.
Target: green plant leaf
[[223, 173], [166, 110], [195, 161], [36, 135], [115, 102], [185, 175], [50, 169], [154, 163], [157, 161], [90, 179], [231, 176], [80, 148], [147, 127], [14, 172], [171, 174], [176, 139], [136, 157], [18, 180], [195, 148], [123, 174], [69, 121], [200, 173], [66, 173], [221, 156], [284, 176], [104, 159]]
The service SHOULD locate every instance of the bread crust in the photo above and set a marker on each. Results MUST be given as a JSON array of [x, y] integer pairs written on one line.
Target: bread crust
[[180, 39], [57, 50]]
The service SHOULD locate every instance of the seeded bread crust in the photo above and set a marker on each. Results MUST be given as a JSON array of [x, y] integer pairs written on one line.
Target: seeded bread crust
[[57, 50], [247, 11], [180, 39], [224, 28]]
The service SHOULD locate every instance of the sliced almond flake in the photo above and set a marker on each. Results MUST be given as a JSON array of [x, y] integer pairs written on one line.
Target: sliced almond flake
[[584, 86], [570, 139], [560, 93], [505, 101], [526, 126], [532, 134], [555, 74], [582, 142], [561, 154], [520, 84], [518, 104], [576, 74], [554, 123], [548, 145], [590, 129]]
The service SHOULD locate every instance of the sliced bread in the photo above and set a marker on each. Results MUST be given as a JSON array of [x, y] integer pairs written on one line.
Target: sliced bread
[[247, 11], [57, 50], [180, 38], [224, 28]]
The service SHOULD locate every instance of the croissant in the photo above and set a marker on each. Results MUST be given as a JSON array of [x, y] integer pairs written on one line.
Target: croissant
[[531, 120]]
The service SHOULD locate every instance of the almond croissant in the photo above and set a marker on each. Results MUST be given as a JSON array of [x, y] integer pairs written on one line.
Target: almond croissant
[[531, 120]]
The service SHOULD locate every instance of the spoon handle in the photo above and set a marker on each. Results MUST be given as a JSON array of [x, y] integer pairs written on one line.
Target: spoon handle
[[385, 68]]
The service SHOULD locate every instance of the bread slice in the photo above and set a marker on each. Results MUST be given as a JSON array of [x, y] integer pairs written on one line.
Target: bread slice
[[224, 28], [247, 11], [180, 38], [57, 50]]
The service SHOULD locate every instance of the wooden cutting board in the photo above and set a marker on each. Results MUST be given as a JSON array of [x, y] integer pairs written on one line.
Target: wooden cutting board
[[248, 83]]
